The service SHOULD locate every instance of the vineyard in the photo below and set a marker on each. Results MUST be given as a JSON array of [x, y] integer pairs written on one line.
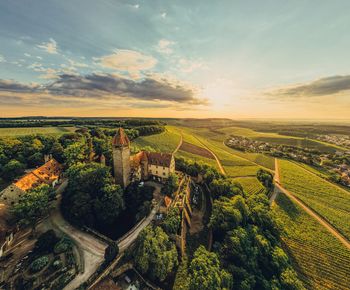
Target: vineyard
[[250, 185], [321, 261], [164, 142], [196, 158], [35, 130], [329, 201]]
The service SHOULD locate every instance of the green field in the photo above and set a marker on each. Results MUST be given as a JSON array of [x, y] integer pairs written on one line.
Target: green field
[[328, 200], [163, 142], [251, 185], [196, 158], [35, 130], [321, 261]]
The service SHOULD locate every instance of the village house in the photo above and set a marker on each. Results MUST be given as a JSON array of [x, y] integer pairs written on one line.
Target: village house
[[49, 173], [141, 166]]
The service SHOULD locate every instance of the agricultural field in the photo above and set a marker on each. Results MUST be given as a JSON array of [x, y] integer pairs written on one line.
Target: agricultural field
[[35, 130], [251, 185], [194, 149], [163, 142], [320, 260], [197, 158], [214, 140], [328, 200]]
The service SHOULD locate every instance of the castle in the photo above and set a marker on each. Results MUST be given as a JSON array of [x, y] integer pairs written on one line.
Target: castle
[[141, 166]]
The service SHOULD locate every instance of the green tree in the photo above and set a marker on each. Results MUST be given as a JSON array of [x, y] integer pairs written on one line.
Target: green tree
[[12, 170], [170, 185], [172, 221], [290, 281], [205, 272], [155, 254], [33, 205], [75, 153]]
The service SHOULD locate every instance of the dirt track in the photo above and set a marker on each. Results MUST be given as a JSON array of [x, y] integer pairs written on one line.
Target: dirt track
[[222, 170], [191, 148]]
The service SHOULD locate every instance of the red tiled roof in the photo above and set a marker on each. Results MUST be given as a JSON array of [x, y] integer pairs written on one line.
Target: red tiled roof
[[161, 159], [120, 138], [167, 201], [46, 173]]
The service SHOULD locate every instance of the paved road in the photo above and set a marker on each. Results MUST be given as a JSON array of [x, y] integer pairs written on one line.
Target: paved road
[[312, 213], [131, 236], [91, 248]]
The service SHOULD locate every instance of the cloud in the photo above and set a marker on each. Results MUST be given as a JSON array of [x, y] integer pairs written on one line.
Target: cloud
[[12, 86], [165, 46], [163, 15], [321, 87], [77, 64], [187, 66], [136, 6], [50, 47], [27, 54], [129, 61], [2, 59], [111, 87]]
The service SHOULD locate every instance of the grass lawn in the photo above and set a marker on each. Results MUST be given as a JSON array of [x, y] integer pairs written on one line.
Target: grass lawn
[[321, 261], [35, 130], [328, 200]]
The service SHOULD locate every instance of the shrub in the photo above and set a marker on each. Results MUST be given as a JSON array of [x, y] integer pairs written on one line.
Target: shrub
[[39, 264], [63, 246]]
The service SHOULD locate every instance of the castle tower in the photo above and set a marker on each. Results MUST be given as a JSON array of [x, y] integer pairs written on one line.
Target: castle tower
[[121, 158]]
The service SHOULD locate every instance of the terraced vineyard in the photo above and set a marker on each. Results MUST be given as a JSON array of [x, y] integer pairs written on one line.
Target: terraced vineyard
[[326, 199], [251, 185], [321, 261], [164, 142], [35, 130], [196, 158]]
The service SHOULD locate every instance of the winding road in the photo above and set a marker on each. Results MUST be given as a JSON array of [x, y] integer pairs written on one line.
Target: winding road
[[308, 210]]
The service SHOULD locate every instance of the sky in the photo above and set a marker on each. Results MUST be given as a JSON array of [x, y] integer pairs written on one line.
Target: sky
[[161, 58]]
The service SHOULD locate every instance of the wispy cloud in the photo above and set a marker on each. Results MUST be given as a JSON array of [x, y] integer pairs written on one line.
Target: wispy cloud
[[50, 46], [129, 61], [165, 46], [321, 87], [2, 58], [164, 15]]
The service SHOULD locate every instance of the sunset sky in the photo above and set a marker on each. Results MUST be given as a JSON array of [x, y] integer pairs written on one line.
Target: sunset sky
[[158, 58]]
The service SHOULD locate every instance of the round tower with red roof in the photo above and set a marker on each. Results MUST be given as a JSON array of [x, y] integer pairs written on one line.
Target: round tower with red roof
[[121, 158]]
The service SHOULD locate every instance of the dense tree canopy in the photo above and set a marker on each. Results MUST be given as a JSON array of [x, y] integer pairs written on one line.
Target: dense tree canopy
[[33, 205], [171, 223], [170, 185], [205, 272], [91, 197], [155, 254]]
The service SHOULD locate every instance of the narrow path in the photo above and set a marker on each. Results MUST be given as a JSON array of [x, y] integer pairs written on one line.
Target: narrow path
[[179, 145], [222, 170], [312, 213], [276, 179]]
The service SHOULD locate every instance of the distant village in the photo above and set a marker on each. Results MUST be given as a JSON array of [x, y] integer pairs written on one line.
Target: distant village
[[337, 164]]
